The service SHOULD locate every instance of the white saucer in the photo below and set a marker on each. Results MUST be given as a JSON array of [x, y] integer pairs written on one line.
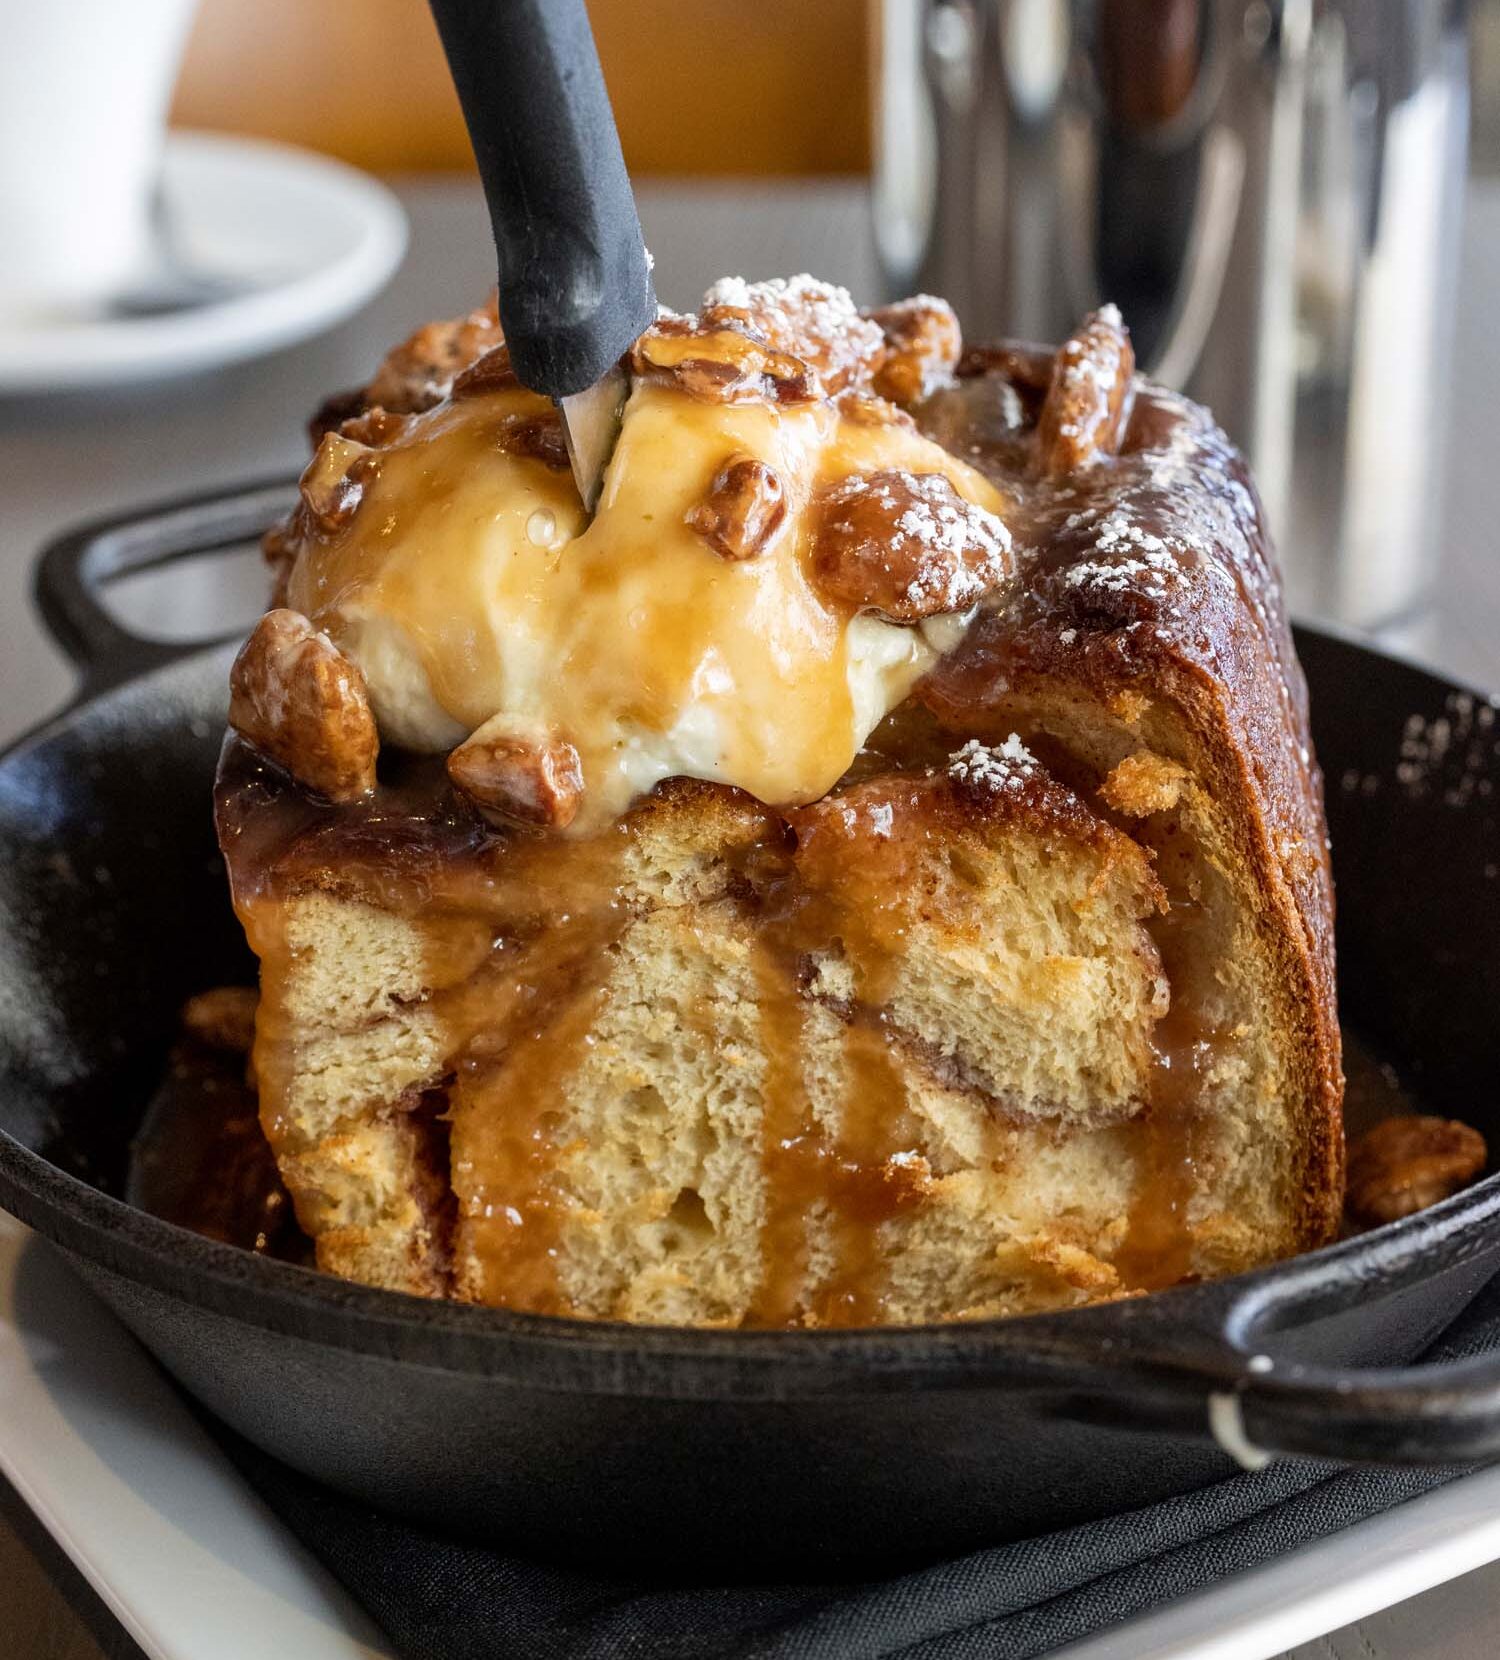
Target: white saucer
[[303, 241]]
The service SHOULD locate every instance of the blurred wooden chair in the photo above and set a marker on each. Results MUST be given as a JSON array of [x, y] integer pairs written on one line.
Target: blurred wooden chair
[[699, 86]]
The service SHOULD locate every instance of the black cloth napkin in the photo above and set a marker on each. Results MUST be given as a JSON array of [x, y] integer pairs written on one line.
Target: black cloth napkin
[[441, 1600]]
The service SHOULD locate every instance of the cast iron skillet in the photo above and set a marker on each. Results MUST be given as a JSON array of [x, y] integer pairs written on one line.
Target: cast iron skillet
[[752, 1452]]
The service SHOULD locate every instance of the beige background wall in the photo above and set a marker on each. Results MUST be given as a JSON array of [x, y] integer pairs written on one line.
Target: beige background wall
[[699, 86]]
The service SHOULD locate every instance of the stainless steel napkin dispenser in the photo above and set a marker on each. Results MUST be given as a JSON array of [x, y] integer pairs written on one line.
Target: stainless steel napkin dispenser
[[1270, 191]]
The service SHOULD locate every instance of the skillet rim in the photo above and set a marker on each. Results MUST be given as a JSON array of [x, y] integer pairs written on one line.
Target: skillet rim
[[1177, 1323]]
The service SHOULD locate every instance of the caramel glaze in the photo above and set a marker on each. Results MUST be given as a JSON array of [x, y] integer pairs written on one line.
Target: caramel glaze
[[515, 1027], [863, 1168], [1157, 1249], [200, 1160], [1150, 571], [517, 930]]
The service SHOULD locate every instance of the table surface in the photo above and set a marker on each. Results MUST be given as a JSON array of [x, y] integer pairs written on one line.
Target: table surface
[[69, 458]]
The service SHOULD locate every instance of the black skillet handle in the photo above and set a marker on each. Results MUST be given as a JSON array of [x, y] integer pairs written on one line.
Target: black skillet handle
[[1446, 1412], [1434, 1412], [1238, 1361], [71, 571], [575, 282]]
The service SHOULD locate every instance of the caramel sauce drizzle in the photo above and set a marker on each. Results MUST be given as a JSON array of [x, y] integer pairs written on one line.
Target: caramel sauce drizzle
[[1168, 1138], [869, 1185], [519, 951], [845, 1177], [793, 1146], [1158, 1248], [852, 1177]]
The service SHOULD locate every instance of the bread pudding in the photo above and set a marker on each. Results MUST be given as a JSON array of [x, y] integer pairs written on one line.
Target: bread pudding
[[873, 870]]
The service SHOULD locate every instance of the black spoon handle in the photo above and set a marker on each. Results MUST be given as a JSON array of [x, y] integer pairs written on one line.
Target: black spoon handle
[[575, 285]]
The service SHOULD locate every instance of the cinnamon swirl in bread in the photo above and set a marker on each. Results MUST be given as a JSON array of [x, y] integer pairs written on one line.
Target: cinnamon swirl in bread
[[873, 871]]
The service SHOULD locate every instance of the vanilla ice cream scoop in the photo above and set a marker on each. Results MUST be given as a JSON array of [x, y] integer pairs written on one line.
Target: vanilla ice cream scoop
[[770, 569]]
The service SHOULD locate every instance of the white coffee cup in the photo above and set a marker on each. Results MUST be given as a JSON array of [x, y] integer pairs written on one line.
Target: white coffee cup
[[84, 89]]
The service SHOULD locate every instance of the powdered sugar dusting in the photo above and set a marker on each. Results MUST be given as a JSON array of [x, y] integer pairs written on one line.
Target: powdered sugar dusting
[[994, 768], [1134, 559], [787, 300], [814, 320], [1174, 520], [1452, 755]]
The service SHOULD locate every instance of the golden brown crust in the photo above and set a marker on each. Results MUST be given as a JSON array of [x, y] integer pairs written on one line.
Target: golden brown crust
[[1151, 574]]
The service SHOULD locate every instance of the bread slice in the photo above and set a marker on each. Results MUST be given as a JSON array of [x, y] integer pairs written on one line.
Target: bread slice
[[935, 1046], [749, 1078], [1034, 1008]]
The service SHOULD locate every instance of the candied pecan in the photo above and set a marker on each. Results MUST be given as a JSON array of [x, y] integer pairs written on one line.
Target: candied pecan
[[418, 373], [298, 700], [375, 427], [490, 373], [1405, 1164], [744, 508], [805, 318], [1088, 401], [334, 482], [222, 1018], [538, 436], [922, 346], [722, 365], [906, 545], [871, 411], [514, 780]]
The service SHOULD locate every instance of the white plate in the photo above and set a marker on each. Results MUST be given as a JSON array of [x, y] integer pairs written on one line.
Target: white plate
[[163, 1527], [193, 1564], [305, 240]]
